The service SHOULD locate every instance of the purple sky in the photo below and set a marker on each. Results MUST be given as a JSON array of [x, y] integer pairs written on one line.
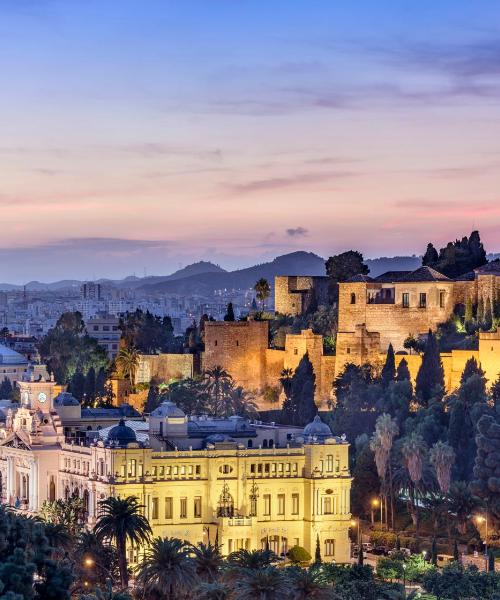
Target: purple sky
[[145, 135]]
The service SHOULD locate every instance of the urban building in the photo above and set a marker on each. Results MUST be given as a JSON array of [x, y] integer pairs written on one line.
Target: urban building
[[246, 484], [106, 330]]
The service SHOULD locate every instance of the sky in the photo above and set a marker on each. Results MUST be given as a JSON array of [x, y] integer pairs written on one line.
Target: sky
[[139, 136]]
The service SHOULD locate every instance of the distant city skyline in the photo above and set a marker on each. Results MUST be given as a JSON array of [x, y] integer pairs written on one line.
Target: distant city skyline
[[152, 135]]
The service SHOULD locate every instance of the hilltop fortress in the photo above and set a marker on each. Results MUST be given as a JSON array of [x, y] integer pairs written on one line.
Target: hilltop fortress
[[372, 313]]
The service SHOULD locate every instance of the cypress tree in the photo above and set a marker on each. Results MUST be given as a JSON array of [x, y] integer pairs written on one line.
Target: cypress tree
[[5, 389], [434, 552], [389, 370], [90, 384], [456, 554], [229, 316], [495, 393], [469, 316], [488, 315], [398, 543], [317, 554], [480, 311], [491, 561], [152, 400], [77, 385], [471, 368], [403, 372], [430, 377], [302, 406]]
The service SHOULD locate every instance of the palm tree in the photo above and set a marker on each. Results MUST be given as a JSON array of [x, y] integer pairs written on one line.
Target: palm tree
[[386, 429], [121, 521], [59, 538], [414, 450], [286, 376], [128, 361], [442, 457], [167, 568], [267, 583], [308, 584], [98, 559], [212, 591], [251, 559], [218, 382], [207, 560], [262, 290], [242, 403]]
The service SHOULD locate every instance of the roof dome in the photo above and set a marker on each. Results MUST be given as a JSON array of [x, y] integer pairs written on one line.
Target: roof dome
[[11, 357], [66, 399], [168, 409], [317, 428], [122, 434]]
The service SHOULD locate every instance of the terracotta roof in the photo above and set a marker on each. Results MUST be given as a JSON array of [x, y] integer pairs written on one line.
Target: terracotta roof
[[391, 276], [425, 274], [491, 268]]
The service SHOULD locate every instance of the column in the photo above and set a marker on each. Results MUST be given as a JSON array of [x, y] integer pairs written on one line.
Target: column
[[31, 486]]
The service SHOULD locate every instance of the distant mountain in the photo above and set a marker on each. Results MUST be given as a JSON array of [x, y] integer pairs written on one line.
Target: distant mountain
[[394, 263], [295, 263]]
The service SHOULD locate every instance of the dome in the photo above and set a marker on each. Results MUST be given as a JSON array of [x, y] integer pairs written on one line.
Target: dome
[[11, 357], [168, 409], [66, 399], [122, 434], [317, 428]]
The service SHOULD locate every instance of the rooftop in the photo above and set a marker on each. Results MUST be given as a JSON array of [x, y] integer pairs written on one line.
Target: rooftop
[[11, 357]]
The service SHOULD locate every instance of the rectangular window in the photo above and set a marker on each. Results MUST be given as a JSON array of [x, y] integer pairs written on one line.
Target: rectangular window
[[197, 507], [266, 468], [327, 506], [281, 504], [197, 469], [267, 505], [154, 511], [337, 465], [132, 472], [422, 303], [406, 300], [329, 463], [442, 298], [295, 504], [168, 508], [330, 547], [183, 508], [252, 468]]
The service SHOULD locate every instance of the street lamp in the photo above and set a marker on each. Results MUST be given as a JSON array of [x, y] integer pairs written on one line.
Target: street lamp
[[354, 523], [404, 580], [375, 504], [89, 562], [479, 520]]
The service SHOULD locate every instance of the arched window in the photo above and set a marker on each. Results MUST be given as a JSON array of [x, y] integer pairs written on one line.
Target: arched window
[[86, 501], [271, 443], [250, 444], [225, 506], [264, 444], [353, 298], [52, 489]]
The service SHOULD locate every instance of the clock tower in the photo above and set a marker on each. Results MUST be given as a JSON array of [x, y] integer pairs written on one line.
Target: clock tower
[[39, 395]]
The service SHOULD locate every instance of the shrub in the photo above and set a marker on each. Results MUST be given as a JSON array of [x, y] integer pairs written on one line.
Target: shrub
[[388, 568], [383, 538], [298, 555]]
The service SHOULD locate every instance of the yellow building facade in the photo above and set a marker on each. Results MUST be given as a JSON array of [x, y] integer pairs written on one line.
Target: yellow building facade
[[263, 485]]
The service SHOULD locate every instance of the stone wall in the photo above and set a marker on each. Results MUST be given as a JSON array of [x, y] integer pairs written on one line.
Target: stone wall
[[240, 348], [164, 367], [293, 295]]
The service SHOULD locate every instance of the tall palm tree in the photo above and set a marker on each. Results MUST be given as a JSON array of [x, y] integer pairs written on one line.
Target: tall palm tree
[[263, 290], [217, 383], [207, 560], [414, 451], [268, 583], [167, 568], [120, 521], [386, 429], [128, 361], [442, 457]]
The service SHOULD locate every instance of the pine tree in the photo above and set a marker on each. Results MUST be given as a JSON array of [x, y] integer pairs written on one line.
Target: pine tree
[[403, 373], [430, 377], [229, 316], [471, 368], [389, 370]]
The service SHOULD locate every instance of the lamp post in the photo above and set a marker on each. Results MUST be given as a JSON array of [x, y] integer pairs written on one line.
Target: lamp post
[[375, 503], [354, 523], [479, 520], [90, 562], [404, 580]]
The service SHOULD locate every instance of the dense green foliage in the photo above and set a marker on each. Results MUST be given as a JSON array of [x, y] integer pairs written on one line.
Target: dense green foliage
[[67, 349], [148, 333], [457, 258], [299, 407], [342, 267]]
